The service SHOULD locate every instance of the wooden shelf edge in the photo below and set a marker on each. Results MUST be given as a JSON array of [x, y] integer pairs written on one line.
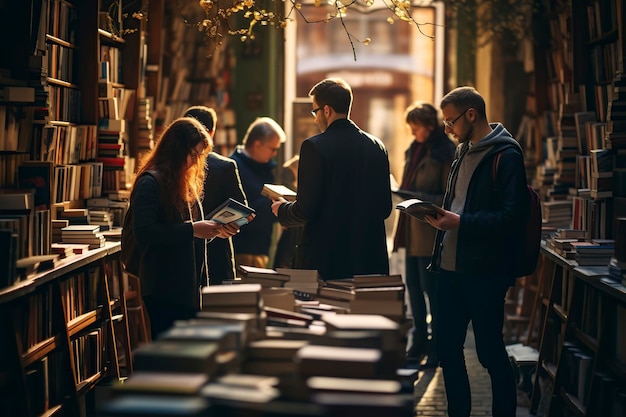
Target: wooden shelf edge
[[40, 350], [573, 403], [53, 411], [87, 384], [81, 322]]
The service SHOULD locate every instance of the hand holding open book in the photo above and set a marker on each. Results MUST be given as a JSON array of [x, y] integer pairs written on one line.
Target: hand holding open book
[[420, 209]]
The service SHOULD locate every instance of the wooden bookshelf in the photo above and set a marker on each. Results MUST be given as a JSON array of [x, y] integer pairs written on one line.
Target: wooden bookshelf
[[580, 94], [65, 329], [59, 336]]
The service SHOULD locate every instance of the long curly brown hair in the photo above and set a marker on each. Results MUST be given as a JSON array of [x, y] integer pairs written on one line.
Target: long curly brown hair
[[181, 187]]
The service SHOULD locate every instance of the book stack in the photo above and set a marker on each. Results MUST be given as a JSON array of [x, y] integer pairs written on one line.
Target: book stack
[[17, 214], [388, 331], [101, 218], [228, 337], [161, 383], [304, 282], [83, 233], [116, 209], [616, 115], [340, 296], [276, 297], [176, 356], [63, 250], [562, 241], [599, 252], [272, 357], [73, 216], [36, 263], [231, 394], [335, 361], [367, 398], [242, 298], [556, 213], [601, 181], [57, 226], [264, 276], [387, 301]]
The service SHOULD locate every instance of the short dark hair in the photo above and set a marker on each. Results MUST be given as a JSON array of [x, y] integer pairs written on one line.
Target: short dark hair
[[205, 115], [422, 113], [333, 92], [464, 98]]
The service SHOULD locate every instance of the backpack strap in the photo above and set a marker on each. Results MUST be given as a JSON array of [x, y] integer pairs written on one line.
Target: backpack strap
[[496, 162]]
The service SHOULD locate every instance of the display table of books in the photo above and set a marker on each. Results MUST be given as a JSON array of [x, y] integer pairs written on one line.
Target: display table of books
[[240, 357]]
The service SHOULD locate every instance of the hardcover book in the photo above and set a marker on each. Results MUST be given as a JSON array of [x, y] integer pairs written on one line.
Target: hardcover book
[[419, 208], [275, 191], [231, 211]]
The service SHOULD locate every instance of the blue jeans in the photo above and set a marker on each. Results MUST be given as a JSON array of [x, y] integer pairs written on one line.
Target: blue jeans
[[479, 298]]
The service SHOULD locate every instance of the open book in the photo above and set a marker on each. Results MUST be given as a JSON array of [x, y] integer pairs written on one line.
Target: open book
[[231, 211], [274, 191], [419, 209]]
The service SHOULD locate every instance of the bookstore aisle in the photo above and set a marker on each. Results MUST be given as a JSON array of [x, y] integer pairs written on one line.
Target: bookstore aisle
[[430, 395]]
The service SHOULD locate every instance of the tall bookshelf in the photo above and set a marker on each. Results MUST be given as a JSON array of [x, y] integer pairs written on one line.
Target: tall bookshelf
[[66, 328], [584, 132]]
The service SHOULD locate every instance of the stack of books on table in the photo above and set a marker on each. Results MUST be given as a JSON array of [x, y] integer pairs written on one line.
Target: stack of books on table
[[83, 233], [242, 298], [272, 357], [265, 276], [367, 294], [304, 282]]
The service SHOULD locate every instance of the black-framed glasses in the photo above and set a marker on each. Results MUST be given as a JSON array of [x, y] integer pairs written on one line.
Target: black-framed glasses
[[450, 124], [314, 111]]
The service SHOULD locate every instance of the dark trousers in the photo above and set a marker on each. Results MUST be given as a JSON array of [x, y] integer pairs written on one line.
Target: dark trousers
[[419, 281], [162, 316], [479, 298]]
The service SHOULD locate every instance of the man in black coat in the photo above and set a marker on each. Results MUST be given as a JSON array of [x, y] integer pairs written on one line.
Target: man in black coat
[[344, 194], [221, 182]]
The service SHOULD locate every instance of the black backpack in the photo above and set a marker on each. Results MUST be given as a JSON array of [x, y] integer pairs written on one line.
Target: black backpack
[[529, 243], [130, 255]]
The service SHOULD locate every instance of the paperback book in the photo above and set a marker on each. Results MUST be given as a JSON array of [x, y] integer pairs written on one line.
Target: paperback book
[[419, 208]]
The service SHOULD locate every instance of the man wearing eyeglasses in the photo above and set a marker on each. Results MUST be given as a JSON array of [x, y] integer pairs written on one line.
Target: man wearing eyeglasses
[[485, 206], [344, 194], [255, 160]]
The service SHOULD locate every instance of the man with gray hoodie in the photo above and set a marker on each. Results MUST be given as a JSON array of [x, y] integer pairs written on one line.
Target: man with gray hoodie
[[486, 207]]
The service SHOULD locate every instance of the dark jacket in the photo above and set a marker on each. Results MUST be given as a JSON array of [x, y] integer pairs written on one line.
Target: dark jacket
[[343, 199], [222, 182], [255, 237], [167, 270], [495, 209], [428, 182]]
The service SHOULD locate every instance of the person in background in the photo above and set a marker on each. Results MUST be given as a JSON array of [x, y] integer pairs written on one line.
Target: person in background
[[167, 216], [254, 158], [290, 237], [426, 169], [344, 193], [474, 250], [221, 182]]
